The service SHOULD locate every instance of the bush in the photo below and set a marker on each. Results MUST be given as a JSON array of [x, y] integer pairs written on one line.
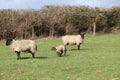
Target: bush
[[56, 21]]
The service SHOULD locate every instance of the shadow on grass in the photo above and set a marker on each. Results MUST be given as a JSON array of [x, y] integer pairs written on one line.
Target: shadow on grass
[[41, 57], [64, 55], [22, 58], [77, 49]]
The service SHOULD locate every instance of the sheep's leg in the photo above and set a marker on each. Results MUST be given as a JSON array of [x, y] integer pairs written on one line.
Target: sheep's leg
[[65, 53], [18, 55], [32, 52], [79, 47], [61, 54], [33, 55]]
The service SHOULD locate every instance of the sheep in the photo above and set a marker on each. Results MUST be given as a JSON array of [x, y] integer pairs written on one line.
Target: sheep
[[19, 46], [59, 50], [73, 40]]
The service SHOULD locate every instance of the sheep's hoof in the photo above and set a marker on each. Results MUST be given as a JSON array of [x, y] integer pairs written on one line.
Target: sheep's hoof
[[18, 58], [59, 56]]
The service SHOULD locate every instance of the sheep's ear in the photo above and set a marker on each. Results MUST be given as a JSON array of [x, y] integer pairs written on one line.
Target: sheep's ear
[[53, 49]]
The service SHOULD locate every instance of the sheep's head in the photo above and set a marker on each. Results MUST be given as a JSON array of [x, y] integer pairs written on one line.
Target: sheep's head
[[53, 49], [9, 41], [82, 35]]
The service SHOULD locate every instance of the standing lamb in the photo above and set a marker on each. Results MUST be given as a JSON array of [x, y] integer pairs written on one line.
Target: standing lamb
[[19, 46], [59, 50], [73, 40]]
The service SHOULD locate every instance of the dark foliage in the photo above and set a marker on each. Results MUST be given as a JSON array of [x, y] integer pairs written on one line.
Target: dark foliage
[[57, 21]]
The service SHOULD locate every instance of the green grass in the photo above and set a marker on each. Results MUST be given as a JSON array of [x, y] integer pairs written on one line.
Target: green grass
[[98, 59]]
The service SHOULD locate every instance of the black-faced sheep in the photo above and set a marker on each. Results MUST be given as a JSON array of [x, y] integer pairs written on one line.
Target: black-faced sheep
[[59, 50], [19, 46], [73, 40]]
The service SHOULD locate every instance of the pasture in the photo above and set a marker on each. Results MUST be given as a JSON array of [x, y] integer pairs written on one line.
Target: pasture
[[98, 59]]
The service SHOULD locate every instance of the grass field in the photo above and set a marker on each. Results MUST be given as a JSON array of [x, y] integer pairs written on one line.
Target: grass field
[[98, 59]]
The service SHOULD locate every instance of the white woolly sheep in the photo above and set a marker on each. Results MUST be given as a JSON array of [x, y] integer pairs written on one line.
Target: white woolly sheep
[[59, 50], [19, 46], [73, 40]]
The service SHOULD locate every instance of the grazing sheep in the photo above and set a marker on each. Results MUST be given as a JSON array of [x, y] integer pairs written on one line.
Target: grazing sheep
[[73, 40], [59, 50], [19, 46]]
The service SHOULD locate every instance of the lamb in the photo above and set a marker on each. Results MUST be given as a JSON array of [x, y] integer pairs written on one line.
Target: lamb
[[73, 40], [59, 50], [19, 46]]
